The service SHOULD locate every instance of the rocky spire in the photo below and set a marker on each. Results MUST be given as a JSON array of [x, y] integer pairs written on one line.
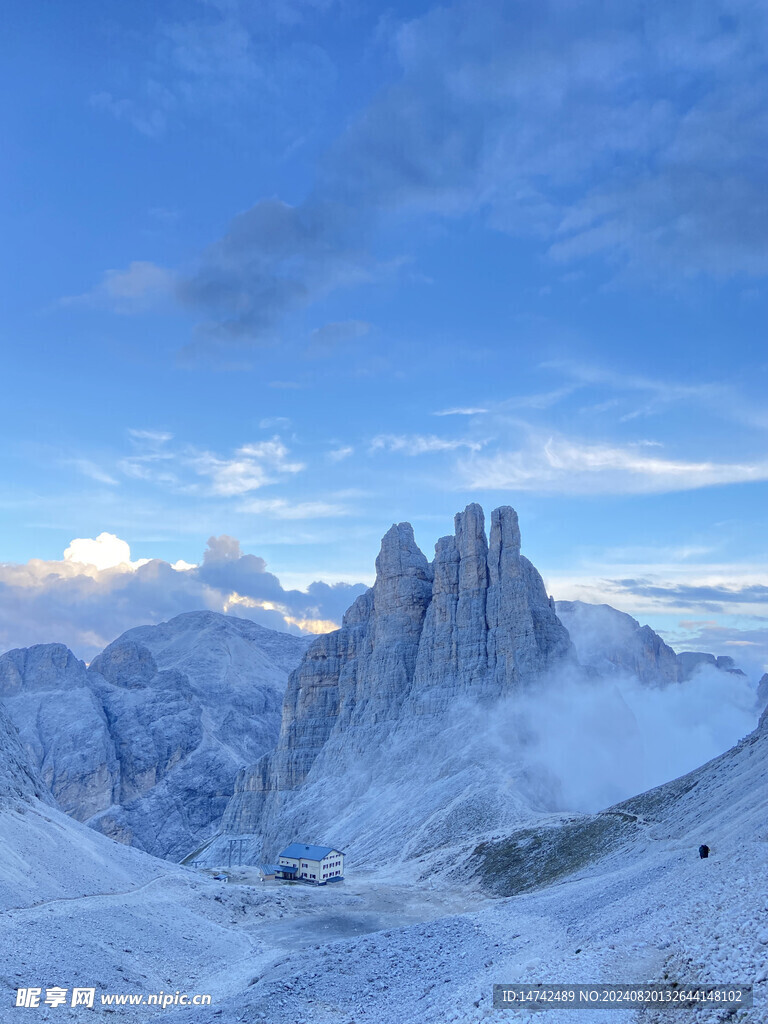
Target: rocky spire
[[475, 624]]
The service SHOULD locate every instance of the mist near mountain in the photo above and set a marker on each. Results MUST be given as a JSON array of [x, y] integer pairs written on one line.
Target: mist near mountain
[[591, 742]]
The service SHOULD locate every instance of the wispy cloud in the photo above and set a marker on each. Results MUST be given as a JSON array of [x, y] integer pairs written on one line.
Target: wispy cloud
[[327, 340], [156, 457], [560, 465], [219, 59], [252, 466], [140, 287], [91, 470], [705, 595], [659, 394], [461, 411], [148, 114], [154, 437], [282, 508], [421, 444], [339, 454], [667, 587]]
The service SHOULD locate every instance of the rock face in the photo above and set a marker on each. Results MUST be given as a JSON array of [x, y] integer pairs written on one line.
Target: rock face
[[373, 719], [19, 781], [144, 744], [762, 692], [48, 695]]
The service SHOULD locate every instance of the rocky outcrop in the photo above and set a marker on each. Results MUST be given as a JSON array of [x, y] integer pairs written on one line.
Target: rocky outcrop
[[374, 707], [692, 661], [144, 744]]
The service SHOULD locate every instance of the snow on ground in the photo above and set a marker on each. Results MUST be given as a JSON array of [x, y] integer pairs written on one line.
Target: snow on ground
[[651, 910], [385, 948]]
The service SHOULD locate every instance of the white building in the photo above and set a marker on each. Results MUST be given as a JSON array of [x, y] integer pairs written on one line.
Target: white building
[[318, 864]]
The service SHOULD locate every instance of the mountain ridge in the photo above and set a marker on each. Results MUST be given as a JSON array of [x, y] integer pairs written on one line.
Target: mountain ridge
[[144, 744]]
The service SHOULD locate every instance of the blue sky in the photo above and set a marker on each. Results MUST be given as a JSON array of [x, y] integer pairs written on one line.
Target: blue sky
[[288, 272]]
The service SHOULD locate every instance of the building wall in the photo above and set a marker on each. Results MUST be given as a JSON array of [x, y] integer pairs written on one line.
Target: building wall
[[306, 868], [334, 862]]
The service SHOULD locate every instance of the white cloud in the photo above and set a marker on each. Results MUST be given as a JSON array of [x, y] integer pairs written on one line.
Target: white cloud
[[157, 437], [559, 465], [181, 566], [103, 552], [421, 444], [93, 471], [270, 422], [252, 466]]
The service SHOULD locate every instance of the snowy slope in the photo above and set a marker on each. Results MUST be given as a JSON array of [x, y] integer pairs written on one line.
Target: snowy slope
[[647, 910]]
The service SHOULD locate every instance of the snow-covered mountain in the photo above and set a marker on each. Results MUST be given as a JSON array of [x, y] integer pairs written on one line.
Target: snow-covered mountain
[[144, 744], [637, 906], [609, 641], [77, 909], [383, 742]]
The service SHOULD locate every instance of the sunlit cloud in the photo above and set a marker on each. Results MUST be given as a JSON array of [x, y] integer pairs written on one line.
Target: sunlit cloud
[[97, 591], [103, 552], [306, 625]]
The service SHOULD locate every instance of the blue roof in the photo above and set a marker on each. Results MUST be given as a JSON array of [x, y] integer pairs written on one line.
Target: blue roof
[[269, 869], [287, 869], [308, 852]]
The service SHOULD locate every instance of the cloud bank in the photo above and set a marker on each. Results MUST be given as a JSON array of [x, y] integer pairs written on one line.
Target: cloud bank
[[97, 592]]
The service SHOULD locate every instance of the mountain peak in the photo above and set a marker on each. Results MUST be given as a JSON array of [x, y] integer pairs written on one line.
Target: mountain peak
[[400, 555], [472, 626]]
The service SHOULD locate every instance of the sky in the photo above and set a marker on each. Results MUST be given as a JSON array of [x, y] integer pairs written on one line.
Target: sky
[[279, 274]]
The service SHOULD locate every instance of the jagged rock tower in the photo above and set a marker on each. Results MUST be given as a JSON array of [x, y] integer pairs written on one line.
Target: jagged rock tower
[[373, 703]]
